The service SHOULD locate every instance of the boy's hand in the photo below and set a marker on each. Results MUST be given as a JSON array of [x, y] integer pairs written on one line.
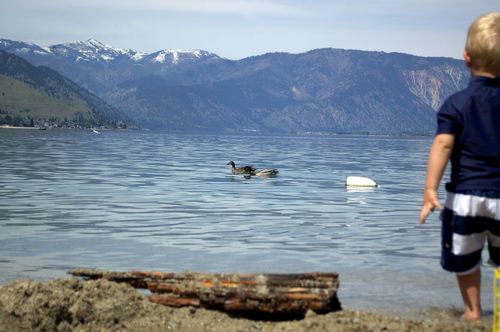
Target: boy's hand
[[431, 202]]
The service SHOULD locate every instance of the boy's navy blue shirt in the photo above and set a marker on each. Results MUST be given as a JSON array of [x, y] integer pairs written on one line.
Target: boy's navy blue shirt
[[473, 117]]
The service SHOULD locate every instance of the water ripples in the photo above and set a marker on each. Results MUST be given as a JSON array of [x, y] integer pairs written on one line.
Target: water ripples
[[144, 200]]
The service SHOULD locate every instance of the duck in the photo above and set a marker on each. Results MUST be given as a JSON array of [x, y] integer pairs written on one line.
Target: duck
[[250, 170], [266, 172]]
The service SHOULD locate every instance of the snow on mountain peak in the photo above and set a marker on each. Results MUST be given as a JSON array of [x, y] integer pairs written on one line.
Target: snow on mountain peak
[[175, 56], [136, 56], [5, 42], [92, 51], [95, 43], [161, 56], [22, 47]]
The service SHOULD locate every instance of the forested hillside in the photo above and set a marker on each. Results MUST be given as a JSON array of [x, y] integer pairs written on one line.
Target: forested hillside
[[39, 96]]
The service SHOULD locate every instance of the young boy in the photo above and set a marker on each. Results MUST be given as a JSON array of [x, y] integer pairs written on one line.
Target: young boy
[[468, 135]]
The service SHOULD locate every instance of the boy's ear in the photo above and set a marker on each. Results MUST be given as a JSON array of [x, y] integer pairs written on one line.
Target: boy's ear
[[467, 59]]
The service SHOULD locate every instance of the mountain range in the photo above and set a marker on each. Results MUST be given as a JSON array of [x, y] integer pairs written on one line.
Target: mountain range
[[321, 91]]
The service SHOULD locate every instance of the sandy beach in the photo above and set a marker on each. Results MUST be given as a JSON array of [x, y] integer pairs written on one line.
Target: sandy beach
[[75, 305]]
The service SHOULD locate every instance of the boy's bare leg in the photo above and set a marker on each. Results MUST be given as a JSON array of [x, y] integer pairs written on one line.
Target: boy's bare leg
[[470, 285]]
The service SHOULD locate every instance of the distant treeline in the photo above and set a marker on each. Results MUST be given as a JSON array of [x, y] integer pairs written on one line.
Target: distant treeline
[[54, 122]]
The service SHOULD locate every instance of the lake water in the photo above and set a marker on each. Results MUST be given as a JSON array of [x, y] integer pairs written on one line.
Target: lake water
[[126, 200]]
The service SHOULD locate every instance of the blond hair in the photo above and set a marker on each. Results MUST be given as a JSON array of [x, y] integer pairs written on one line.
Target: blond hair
[[483, 43]]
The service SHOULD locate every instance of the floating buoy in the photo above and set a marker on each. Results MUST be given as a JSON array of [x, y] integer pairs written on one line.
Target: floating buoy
[[360, 181]]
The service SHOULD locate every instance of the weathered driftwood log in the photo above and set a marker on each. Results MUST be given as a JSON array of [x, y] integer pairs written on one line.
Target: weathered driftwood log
[[275, 294]]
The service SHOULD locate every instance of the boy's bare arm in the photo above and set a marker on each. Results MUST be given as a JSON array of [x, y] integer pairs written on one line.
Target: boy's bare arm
[[438, 158]]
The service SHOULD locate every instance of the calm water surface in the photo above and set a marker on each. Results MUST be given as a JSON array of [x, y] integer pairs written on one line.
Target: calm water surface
[[126, 200]]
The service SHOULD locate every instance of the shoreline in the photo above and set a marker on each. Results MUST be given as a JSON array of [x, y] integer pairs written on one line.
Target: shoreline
[[73, 304], [16, 127]]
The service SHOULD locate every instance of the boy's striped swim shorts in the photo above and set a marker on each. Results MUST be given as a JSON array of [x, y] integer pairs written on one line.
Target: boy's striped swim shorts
[[469, 218]]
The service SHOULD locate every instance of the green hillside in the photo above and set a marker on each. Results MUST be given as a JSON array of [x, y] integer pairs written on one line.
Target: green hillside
[[20, 103], [39, 96]]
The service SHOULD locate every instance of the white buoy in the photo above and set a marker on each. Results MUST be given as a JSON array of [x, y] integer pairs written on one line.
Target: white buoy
[[360, 181]]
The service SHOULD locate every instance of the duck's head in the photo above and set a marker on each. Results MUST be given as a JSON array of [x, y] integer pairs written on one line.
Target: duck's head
[[231, 163]]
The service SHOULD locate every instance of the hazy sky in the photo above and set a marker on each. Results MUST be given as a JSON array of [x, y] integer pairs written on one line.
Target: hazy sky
[[236, 29]]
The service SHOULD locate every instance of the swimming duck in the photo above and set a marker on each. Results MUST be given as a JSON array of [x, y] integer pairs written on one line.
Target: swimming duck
[[266, 172], [241, 170]]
